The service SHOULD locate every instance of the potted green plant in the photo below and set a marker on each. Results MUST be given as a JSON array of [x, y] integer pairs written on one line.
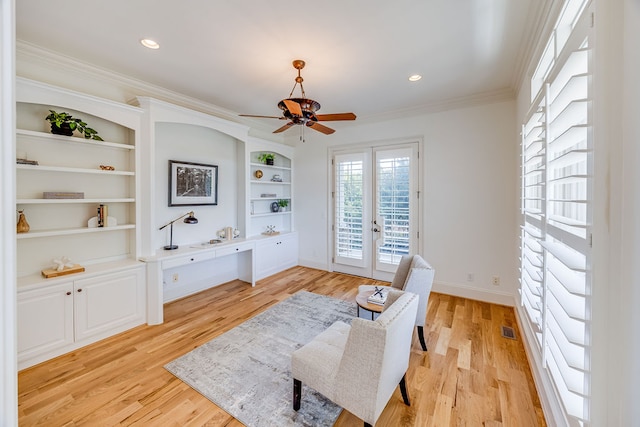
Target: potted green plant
[[64, 124], [283, 203], [267, 158]]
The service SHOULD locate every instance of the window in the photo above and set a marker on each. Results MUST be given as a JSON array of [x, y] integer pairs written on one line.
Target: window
[[556, 205]]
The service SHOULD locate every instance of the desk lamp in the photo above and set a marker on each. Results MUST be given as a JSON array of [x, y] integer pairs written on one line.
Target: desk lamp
[[189, 220]]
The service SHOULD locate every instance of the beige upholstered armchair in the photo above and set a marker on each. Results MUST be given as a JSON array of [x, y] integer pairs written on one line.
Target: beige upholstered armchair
[[414, 275], [359, 366]]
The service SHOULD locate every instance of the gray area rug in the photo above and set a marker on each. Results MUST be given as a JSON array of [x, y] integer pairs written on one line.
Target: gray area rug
[[247, 370]]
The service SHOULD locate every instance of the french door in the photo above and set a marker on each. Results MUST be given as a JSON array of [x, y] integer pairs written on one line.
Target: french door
[[375, 209]]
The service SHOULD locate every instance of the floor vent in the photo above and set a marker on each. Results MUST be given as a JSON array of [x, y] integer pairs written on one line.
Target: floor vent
[[508, 332]]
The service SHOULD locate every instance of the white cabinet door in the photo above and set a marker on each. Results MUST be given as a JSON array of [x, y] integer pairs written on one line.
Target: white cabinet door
[[108, 304], [289, 251], [276, 254], [45, 320]]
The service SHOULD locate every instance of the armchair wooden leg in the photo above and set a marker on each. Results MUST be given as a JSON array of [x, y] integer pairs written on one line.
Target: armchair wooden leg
[[297, 392], [421, 337], [367, 424], [403, 390]]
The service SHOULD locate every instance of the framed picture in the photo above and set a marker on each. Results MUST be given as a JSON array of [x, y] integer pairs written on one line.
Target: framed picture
[[192, 184]]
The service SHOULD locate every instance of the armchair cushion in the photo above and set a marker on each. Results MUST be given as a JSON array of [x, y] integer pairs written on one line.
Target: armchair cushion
[[360, 372]]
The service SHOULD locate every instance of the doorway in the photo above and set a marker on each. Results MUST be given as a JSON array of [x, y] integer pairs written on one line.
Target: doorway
[[375, 207]]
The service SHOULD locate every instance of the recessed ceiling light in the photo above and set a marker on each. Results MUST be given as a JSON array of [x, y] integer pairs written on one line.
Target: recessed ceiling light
[[151, 44], [415, 77]]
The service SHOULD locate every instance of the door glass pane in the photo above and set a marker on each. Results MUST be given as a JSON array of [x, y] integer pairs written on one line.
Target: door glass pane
[[349, 209], [393, 204]]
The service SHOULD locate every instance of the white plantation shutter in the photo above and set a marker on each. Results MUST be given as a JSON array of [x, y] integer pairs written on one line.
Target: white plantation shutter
[[393, 195], [557, 171], [349, 210], [533, 206]]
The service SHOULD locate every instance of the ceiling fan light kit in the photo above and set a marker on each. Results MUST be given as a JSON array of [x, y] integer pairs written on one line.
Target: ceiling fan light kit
[[302, 111]]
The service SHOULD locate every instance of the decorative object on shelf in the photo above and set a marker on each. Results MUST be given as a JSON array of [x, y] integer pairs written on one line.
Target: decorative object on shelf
[[268, 195], [22, 226], [276, 178], [271, 231], [107, 168], [93, 222], [236, 233], [62, 266], [282, 204], [267, 158], [62, 195], [258, 174], [191, 219], [228, 233], [64, 124], [21, 161], [275, 207], [192, 184], [103, 214]]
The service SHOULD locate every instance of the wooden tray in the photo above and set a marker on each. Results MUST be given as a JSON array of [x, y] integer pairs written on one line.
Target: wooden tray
[[52, 272]]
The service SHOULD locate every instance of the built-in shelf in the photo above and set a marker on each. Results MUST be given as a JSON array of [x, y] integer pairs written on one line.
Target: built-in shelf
[[270, 182], [266, 199], [271, 214], [259, 217], [48, 137], [68, 231], [263, 166], [64, 201], [43, 168]]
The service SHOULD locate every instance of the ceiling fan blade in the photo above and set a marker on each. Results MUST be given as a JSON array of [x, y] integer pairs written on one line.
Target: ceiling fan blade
[[264, 117], [320, 128], [293, 107], [283, 128], [334, 117]]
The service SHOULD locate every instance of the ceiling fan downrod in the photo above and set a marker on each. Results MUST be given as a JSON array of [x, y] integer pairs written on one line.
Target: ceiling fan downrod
[[298, 64]]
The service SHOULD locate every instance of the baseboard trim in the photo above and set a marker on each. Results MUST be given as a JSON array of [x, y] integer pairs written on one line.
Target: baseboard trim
[[474, 293], [313, 264]]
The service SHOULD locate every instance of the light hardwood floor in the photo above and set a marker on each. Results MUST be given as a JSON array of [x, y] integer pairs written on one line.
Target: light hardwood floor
[[471, 376]]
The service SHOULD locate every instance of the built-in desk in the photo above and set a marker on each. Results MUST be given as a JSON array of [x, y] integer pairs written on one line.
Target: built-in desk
[[192, 254]]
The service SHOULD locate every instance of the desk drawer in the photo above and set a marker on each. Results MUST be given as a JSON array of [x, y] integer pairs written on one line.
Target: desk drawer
[[188, 259], [232, 249]]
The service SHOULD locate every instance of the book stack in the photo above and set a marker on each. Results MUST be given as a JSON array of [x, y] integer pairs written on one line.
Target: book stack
[[379, 296], [103, 214]]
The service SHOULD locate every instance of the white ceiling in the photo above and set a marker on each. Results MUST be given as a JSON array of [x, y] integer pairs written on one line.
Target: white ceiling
[[237, 54]]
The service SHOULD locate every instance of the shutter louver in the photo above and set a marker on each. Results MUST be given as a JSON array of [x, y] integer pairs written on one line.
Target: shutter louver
[[556, 227]]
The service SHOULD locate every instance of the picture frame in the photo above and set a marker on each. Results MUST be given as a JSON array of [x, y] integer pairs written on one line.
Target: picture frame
[[192, 184]]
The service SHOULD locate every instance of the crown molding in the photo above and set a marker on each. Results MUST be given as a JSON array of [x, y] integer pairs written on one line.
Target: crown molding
[[48, 59], [490, 97], [543, 13]]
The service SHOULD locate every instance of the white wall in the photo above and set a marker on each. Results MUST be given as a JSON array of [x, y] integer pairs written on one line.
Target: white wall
[[195, 144], [469, 195]]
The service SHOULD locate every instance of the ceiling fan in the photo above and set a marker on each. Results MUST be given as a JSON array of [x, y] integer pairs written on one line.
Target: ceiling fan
[[302, 111]]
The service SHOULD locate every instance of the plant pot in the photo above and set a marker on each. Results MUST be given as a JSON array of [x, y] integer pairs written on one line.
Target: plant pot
[[270, 162], [64, 129]]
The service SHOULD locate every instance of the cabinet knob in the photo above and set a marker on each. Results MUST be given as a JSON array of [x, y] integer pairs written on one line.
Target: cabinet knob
[[192, 259], [237, 249], [80, 290], [68, 292]]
